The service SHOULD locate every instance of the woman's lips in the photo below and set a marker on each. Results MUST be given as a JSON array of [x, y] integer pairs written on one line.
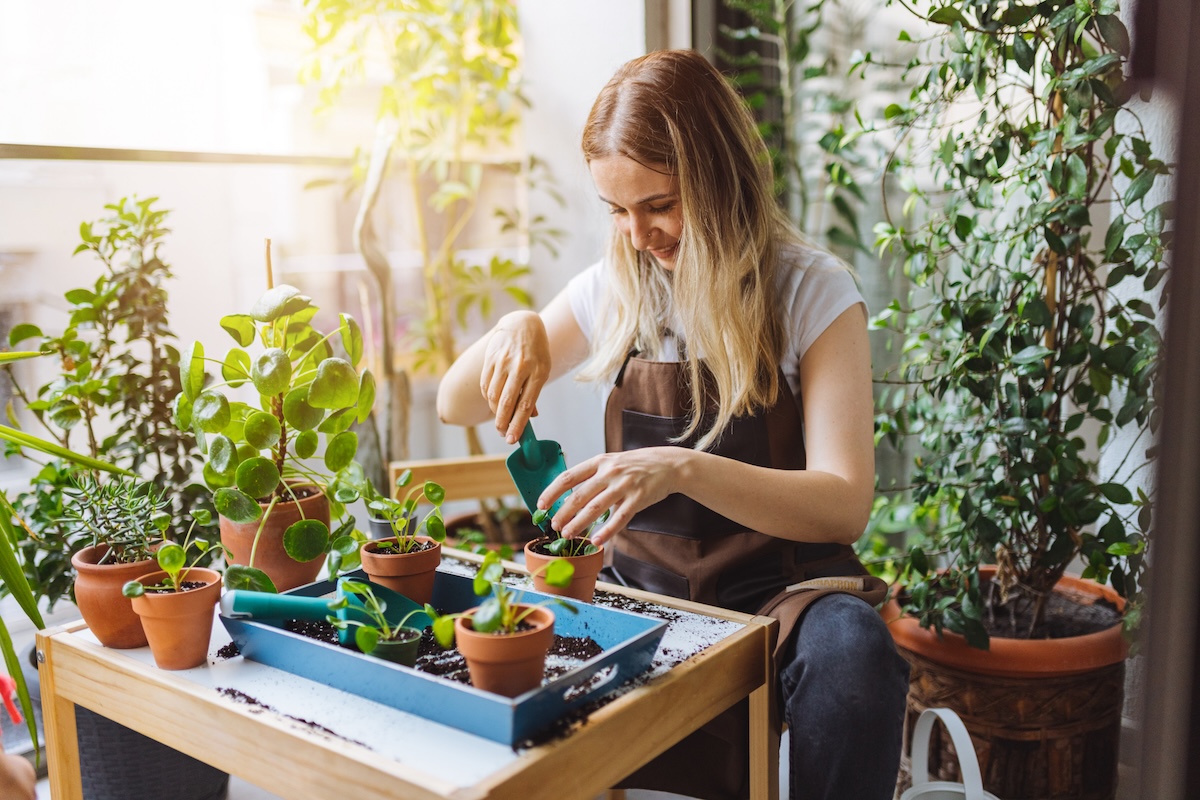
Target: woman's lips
[[667, 254]]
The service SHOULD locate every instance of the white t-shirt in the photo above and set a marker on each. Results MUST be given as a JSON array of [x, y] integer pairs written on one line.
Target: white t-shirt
[[816, 291]]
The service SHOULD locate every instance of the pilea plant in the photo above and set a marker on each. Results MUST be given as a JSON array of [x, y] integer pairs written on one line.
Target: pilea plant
[[306, 399], [502, 611], [1031, 339], [400, 513], [172, 559], [559, 545], [368, 636]]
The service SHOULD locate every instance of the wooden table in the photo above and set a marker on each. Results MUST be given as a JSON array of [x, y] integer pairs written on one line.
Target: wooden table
[[397, 755]]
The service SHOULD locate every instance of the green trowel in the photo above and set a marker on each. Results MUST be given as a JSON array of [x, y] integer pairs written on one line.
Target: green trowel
[[533, 466]]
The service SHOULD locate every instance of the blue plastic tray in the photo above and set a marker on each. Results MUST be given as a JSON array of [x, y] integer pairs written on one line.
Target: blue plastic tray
[[629, 642]]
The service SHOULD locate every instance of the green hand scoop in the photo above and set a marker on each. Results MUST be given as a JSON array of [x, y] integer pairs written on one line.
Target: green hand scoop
[[534, 466], [247, 604]]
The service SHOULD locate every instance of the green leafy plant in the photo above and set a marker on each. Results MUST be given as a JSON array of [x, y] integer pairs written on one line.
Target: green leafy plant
[[559, 545], [400, 513], [129, 516], [503, 610], [367, 636], [111, 396], [172, 559], [1030, 336], [307, 398]]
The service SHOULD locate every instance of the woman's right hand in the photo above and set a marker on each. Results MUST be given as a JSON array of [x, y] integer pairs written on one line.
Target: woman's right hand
[[516, 365]]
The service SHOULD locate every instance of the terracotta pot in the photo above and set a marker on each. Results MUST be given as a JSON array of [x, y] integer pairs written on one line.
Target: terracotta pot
[[410, 574], [583, 583], [402, 650], [284, 571], [107, 612], [1044, 715], [507, 664], [179, 624]]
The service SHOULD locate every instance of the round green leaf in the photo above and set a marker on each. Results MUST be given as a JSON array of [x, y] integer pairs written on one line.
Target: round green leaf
[[222, 455], [340, 451], [443, 630], [182, 412], [236, 367], [306, 444], [366, 396], [336, 385], [488, 616], [191, 370], [240, 327], [271, 372], [171, 557], [262, 430], [435, 528], [306, 539], [133, 589], [279, 301], [559, 573], [211, 412], [236, 506], [257, 476], [337, 422], [216, 480], [298, 413], [238, 576], [351, 338], [202, 516], [434, 492]]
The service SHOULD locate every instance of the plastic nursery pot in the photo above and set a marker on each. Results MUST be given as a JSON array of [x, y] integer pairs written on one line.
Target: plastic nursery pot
[[507, 664], [178, 625], [410, 574], [285, 572], [108, 613], [401, 650], [583, 582]]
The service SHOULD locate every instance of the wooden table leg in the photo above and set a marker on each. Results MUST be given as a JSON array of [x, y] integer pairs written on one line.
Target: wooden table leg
[[58, 718], [765, 727]]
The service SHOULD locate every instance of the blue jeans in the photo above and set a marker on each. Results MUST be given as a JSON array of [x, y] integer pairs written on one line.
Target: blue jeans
[[843, 689]]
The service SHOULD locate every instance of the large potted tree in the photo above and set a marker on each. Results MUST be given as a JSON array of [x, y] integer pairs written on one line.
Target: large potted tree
[[1031, 348]]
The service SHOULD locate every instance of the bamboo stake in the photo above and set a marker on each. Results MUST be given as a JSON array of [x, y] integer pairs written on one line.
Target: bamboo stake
[[270, 274]]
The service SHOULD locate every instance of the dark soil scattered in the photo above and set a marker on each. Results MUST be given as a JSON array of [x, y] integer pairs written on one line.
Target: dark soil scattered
[[229, 651], [320, 630], [623, 603], [183, 587], [257, 706], [392, 549]]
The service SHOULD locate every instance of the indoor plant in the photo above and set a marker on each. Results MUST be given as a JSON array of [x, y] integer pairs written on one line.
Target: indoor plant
[[585, 558], [391, 641], [503, 639], [176, 603], [273, 506], [406, 562], [1030, 347]]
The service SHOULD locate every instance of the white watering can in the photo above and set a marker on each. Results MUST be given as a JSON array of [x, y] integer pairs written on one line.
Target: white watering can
[[924, 789]]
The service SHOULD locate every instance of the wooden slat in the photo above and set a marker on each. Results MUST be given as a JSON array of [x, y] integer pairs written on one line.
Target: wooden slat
[[58, 717], [463, 478], [765, 726]]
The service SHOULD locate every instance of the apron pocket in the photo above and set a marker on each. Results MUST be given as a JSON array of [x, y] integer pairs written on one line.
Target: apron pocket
[[638, 574]]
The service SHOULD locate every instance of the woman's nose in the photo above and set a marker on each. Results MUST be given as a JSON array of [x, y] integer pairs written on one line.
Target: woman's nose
[[639, 231]]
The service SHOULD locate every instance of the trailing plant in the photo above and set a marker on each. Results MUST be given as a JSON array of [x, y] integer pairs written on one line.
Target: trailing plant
[[368, 635], [503, 610], [172, 559], [1036, 257], [118, 373]]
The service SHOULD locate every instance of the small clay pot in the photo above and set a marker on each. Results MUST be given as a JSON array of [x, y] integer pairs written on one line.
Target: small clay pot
[[583, 582], [402, 650], [410, 574], [107, 612], [508, 664], [283, 570], [178, 625]]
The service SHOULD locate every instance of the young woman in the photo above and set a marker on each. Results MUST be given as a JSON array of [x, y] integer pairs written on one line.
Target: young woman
[[740, 463]]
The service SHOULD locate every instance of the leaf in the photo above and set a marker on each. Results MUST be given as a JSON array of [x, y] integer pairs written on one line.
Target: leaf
[[366, 639], [947, 15], [306, 444], [222, 455], [351, 338], [559, 573], [1116, 493], [241, 327], [257, 477], [211, 412], [341, 451], [235, 370], [279, 301], [191, 370], [24, 331], [488, 617], [306, 539], [1031, 354], [171, 557], [298, 413], [262, 430], [434, 492], [238, 576], [336, 385], [271, 372], [366, 396], [236, 506], [337, 422], [1023, 53], [1138, 187]]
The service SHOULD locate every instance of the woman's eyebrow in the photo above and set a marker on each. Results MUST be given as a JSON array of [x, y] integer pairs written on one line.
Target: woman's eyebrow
[[652, 198]]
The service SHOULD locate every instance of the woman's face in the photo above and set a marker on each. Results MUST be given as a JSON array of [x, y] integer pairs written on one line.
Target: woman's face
[[644, 204]]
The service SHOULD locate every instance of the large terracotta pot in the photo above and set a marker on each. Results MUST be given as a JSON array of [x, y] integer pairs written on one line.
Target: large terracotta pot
[[507, 664], [179, 624], [410, 574], [583, 582], [1044, 715], [284, 571], [107, 612]]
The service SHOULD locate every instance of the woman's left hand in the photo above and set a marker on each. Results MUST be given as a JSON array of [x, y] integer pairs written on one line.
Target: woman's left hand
[[624, 483]]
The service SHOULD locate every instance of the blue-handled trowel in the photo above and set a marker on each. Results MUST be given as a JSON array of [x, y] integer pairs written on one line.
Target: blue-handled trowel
[[533, 466]]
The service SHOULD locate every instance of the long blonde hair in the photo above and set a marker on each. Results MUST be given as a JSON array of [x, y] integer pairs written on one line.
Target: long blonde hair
[[673, 112]]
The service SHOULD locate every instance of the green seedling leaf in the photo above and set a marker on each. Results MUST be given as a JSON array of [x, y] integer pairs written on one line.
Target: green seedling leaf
[[211, 412], [24, 331], [443, 628], [181, 412], [435, 528], [279, 301], [366, 639], [235, 370], [240, 327], [306, 444], [352, 340], [306, 539], [191, 370], [559, 573], [257, 476], [133, 589], [262, 430], [216, 480], [238, 576], [488, 617], [341, 451], [222, 455], [434, 492], [336, 385], [404, 479], [298, 413], [271, 372], [236, 506], [202, 516], [171, 557]]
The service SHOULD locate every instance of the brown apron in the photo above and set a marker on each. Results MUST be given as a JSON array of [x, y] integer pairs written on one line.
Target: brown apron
[[680, 548]]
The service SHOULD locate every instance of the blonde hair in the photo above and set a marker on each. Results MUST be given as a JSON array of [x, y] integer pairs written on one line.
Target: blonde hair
[[673, 112]]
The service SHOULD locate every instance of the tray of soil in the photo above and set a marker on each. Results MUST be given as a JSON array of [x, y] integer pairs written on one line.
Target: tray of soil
[[626, 641]]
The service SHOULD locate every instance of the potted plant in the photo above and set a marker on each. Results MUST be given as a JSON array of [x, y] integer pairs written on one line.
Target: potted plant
[[407, 561], [585, 558], [391, 641], [176, 603], [274, 509], [1030, 348], [503, 639]]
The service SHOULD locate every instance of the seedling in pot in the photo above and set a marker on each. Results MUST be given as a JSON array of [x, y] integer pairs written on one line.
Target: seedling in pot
[[368, 636], [399, 513], [172, 559], [559, 545], [503, 611]]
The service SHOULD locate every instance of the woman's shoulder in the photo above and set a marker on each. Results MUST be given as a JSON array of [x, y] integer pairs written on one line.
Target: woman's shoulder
[[806, 269]]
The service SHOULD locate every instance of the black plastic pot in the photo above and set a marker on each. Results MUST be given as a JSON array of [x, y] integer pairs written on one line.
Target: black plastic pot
[[116, 763]]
